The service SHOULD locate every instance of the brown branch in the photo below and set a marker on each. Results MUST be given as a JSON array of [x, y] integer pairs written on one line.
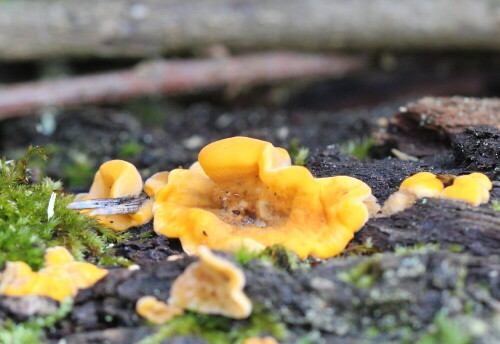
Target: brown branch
[[170, 77], [40, 29]]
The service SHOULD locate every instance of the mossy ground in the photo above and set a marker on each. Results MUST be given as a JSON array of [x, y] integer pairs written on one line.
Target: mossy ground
[[27, 230], [220, 330], [32, 331]]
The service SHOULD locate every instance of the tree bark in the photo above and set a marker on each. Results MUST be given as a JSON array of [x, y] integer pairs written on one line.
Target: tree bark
[[339, 299], [44, 29]]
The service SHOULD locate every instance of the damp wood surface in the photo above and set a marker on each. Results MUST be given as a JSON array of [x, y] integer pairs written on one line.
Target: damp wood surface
[[399, 279]]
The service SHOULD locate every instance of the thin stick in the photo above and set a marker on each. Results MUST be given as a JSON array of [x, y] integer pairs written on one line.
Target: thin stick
[[171, 77]]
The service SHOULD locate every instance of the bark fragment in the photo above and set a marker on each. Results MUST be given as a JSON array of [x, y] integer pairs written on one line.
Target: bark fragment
[[427, 126]]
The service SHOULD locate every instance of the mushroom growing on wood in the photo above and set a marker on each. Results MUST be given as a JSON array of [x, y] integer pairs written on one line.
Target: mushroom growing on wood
[[213, 285], [115, 179], [156, 311], [244, 192], [61, 277], [473, 189], [420, 185], [259, 340]]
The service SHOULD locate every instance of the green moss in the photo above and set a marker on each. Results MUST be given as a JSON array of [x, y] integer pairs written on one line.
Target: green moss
[[78, 174], [218, 329], [130, 149], [445, 331], [32, 331], [495, 205], [364, 249], [456, 248], [363, 275], [360, 149], [310, 338], [280, 256], [419, 248], [108, 260], [25, 228], [245, 256], [297, 153]]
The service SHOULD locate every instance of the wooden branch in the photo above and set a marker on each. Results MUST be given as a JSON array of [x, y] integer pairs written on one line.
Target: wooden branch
[[171, 77], [41, 29]]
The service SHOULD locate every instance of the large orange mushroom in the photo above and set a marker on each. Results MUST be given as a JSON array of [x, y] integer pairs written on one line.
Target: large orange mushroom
[[245, 192]]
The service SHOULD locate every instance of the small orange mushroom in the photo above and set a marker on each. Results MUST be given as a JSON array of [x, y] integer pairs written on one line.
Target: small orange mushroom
[[245, 192], [156, 311], [473, 189], [420, 185], [260, 340], [213, 285], [61, 277], [116, 179]]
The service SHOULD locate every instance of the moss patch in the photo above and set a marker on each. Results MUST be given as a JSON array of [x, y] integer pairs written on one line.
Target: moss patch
[[445, 331], [218, 329], [297, 153], [495, 205], [280, 256], [26, 230], [32, 332], [360, 149]]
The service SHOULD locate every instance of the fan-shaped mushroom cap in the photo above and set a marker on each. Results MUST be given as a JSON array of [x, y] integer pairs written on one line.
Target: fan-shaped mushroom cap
[[156, 311], [473, 189], [213, 285], [259, 340], [61, 277], [244, 188], [155, 183], [114, 179]]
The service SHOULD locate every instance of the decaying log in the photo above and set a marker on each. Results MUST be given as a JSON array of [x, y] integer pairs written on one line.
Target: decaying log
[[142, 28], [171, 77], [450, 224], [338, 300]]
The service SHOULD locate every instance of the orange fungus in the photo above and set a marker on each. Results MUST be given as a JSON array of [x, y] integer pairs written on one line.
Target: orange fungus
[[245, 192]]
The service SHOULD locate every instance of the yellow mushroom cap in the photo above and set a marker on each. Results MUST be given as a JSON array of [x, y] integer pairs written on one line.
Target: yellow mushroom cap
[[17, 279], [118, 178], [156, 311], [57, 256], [423, 184], [155, 183], [213, 285], [258, 340], [61, 277], [420, 185], [244, 188], [473, 188]]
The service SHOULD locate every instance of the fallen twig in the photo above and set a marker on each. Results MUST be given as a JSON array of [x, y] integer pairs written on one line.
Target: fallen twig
[[170, 77]]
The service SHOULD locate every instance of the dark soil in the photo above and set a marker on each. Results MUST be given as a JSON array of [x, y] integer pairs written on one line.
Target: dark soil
[[93, 136]]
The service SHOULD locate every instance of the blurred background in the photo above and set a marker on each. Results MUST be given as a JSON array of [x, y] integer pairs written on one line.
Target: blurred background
[[153, 81]]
